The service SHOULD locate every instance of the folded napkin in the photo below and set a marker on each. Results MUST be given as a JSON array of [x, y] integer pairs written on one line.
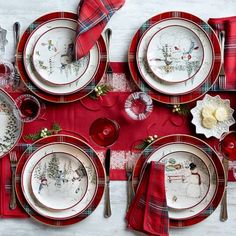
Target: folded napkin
[[148, 212], [228, 24], [93, 16]]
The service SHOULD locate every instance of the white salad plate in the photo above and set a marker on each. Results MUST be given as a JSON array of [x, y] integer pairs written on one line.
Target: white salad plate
[[175, 54], [59, 181], [187, 179], [89, 67], [52, 57]]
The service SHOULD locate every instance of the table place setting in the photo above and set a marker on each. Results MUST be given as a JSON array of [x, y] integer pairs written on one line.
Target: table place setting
[[73, 121]]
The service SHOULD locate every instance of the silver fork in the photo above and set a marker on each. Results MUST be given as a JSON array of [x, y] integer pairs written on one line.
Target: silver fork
[[129, 171], [13, 162], [222, 75], [223, 210], [16, 32], [109, 71]]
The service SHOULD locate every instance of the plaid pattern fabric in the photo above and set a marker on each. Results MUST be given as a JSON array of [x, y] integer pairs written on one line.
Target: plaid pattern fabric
[[227, 24], [88, 88], [93, 16], [189, 140], [166, 98], [148, 212]]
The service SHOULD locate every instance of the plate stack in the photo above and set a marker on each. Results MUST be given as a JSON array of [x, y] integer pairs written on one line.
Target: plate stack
[[174, 57], [46, 63], [60, 180], [194, 177]]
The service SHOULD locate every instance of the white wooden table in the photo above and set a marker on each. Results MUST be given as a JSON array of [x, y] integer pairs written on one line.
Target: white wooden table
[[124, 24]]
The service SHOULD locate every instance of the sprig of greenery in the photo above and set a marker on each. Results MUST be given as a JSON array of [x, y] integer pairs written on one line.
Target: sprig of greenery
[[146, 142], [181, 109], [100, 90], [44, 132]]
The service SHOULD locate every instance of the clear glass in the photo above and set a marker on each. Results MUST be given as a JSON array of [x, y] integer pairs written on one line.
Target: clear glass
[[104, 132], [28, 108], [138, 105]]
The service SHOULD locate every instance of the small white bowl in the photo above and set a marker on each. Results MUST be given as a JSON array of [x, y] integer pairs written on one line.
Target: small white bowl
[[221, 126]]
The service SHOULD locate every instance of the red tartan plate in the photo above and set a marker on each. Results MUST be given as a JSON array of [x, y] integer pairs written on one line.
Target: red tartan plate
[[182, 96], [179, 142], [42, 93], [62, 218]]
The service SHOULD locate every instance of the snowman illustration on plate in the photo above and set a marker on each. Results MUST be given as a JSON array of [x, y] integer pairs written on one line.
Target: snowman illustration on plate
[[194, 186]]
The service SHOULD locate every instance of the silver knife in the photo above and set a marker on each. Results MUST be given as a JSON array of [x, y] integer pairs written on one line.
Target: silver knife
[[107, 212]]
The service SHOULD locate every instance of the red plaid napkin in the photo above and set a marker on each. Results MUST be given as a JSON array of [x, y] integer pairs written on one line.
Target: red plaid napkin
[[148, 212], [93, 16], [228, 24], [5, 192]]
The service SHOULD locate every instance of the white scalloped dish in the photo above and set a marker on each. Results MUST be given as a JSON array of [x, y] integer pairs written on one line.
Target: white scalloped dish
[[213, 104]]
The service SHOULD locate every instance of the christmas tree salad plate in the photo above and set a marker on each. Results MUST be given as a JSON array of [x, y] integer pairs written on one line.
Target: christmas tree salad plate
[[59, 181], [175, 53], [11, 127], [187, 179], [52, 57], [188, 66], [56, 170], [195, 179], [45, 78]]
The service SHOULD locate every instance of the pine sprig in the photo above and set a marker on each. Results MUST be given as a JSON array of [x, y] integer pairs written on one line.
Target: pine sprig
[[100, 90], [44, 132], [181, 109], [34, 136], [56, 128], [146, 142]]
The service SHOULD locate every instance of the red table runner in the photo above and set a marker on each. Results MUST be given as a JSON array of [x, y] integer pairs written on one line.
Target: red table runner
[[76, 118]]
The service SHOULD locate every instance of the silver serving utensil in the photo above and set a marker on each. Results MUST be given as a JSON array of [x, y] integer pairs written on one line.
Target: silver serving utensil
[[13, 162], [16, 32], [107, 212], [130, 193], [222, 75], [109, 71]]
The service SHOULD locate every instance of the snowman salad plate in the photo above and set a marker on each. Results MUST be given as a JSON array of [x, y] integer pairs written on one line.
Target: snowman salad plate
[[193, 167], [187, 178], [59, 181], [55, 164], [52, 57]]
